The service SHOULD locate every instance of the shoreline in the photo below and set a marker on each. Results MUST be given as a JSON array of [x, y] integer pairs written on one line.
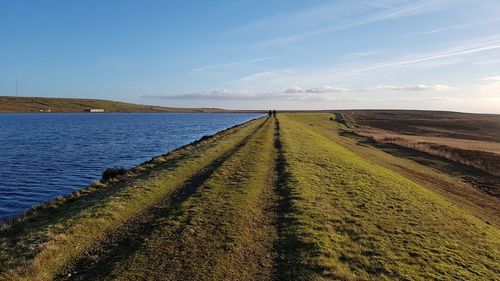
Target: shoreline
[[130, 172]]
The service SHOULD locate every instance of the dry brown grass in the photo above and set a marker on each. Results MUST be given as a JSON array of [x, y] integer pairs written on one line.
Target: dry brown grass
[[482, 155], [485, 127], [467, 144]]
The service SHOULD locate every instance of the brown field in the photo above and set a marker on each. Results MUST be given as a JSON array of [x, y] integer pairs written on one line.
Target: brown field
[[479, 154], [467, 139], [483, 127]]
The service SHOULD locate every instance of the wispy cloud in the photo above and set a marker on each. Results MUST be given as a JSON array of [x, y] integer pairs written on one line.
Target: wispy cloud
[[360, 54], [324, 93], [416, 88], [232, 6], [387, 13], [318, 90], [487, 61], [491, 78], [304, 18], [237, 63], [328, 89], [272, 74], [489, 86], [217, 94], [471, 47], [325, 75], [454, 27]]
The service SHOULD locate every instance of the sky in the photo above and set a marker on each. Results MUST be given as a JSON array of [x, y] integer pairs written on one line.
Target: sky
[[256, 54]]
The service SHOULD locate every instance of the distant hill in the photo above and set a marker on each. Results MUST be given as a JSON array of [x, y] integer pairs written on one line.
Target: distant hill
[[38, 104]]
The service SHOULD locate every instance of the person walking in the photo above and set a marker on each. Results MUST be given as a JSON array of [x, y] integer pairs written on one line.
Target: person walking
[[270, 113], [274, 113]]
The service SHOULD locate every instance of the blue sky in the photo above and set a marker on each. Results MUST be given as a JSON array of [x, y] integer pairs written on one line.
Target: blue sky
[[256, 54]]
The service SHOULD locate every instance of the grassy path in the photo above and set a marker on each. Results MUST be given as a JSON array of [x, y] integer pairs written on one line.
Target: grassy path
[[222, 231], [273, 199], [129, 238], [43, 245]]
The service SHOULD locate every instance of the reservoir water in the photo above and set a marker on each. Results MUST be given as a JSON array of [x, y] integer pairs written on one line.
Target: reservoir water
[[43, 156]]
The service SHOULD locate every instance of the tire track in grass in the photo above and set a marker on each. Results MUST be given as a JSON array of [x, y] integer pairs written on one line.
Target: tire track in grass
[[288, 246], [261, 227], [125, 241], [223, 232], [83, 230]]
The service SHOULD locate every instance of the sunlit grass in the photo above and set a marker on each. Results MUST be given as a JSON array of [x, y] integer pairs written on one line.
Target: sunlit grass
[[222, 231], [40, 247], [287, 200], [358, 220]]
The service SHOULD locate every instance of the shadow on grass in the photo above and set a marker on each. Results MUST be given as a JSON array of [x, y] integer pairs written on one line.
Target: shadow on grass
[[20, 236], [290, 249], [18, 232], [122, 243]]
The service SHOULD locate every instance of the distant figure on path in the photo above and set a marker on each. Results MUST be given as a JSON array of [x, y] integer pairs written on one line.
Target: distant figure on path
[[274, 113], [270, 113]]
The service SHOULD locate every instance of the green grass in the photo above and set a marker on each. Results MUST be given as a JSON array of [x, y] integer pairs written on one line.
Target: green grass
[[449, 184], [40, 247], [357, 220], [219, 233], [268, 200]]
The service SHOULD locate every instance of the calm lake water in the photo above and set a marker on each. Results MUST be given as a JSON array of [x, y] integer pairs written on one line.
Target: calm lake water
[[43, 156]]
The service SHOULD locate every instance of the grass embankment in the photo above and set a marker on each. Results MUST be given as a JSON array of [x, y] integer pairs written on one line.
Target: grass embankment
[[353, 219], [287, 200], [460, 184], [40, 247], [224, 232], [37, 104]]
